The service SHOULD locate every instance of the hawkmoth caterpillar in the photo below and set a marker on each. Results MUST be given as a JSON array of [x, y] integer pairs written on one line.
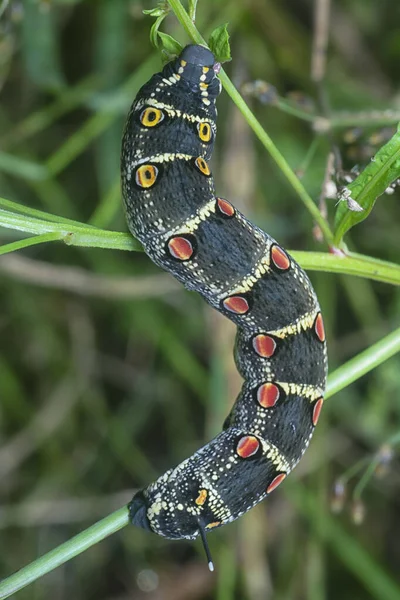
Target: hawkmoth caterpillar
[[208, 245]]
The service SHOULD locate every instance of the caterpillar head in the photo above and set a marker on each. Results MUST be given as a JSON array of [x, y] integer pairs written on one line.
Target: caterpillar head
[[196, 67]]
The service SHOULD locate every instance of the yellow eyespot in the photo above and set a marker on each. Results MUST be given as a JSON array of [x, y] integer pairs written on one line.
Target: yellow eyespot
[[150, 117], [202, 166], [146, 175], [205, 131]]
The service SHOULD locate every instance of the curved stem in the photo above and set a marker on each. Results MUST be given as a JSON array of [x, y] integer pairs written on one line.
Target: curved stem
[[32, 241], [363, 363], [264, 138]]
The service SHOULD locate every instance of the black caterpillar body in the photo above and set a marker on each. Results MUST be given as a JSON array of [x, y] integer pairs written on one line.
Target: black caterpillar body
[[241, 271]]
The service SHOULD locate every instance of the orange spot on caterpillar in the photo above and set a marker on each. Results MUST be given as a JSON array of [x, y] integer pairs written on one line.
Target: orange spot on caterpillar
[[214, 524], [317, 410], [268, 395], [236, 304], [180, 248], [280, 258], [319, 327], [275, 482], [202, 166], [264, 345], [247, 446], [201, 498]]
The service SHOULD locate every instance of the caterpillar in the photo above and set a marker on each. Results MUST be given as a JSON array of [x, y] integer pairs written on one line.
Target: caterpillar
[[208, 245]]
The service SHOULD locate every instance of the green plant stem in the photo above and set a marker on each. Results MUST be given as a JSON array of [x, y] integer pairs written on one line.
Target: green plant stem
[[39, 214], [345, 375], [370, 470], [32, 241], [74, 233], [341, 120], [53, 559], [363, 363], [264, 138], [350, 264]]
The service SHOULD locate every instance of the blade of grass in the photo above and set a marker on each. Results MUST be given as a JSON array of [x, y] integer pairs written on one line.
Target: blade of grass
[[70, 234], [97, 123], [32, 241], [39, 120], [383, 169], [363, 363]]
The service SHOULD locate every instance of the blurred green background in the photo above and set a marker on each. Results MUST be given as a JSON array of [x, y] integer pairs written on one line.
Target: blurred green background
[[110, 372]]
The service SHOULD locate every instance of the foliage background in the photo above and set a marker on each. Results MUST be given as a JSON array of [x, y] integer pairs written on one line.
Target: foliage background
[[110, 373]]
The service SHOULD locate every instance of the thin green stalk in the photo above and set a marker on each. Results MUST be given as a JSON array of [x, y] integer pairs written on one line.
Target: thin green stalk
[[39, 214], [80, 234], [350, 264], [370, 470], [22, 168], [32, 241], [264, 138], [288, 108], [67, 100], [71, 234], [369, 118], [345, 375], [363, 363], [76, 545], [97, 123]]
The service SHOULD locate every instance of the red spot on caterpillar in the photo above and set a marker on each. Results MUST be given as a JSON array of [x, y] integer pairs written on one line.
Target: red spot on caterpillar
[[264, 345], [180, 248], [317, 411], [236, 304], [319, 327], [275, 482], [247, 446], [280, 258], [225, 207], [268, 395]]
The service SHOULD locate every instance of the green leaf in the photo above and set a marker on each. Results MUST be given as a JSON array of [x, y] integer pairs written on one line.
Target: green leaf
[[154, 12], [192, 9], [170, 45], [219, 43], [383, 169], [154, 30]]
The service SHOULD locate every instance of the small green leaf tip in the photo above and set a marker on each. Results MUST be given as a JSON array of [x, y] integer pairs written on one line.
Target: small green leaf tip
[[154, 12], [219, 44], [169, 44]]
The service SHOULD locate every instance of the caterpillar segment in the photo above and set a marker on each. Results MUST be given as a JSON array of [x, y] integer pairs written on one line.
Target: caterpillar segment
[[208, 245]]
